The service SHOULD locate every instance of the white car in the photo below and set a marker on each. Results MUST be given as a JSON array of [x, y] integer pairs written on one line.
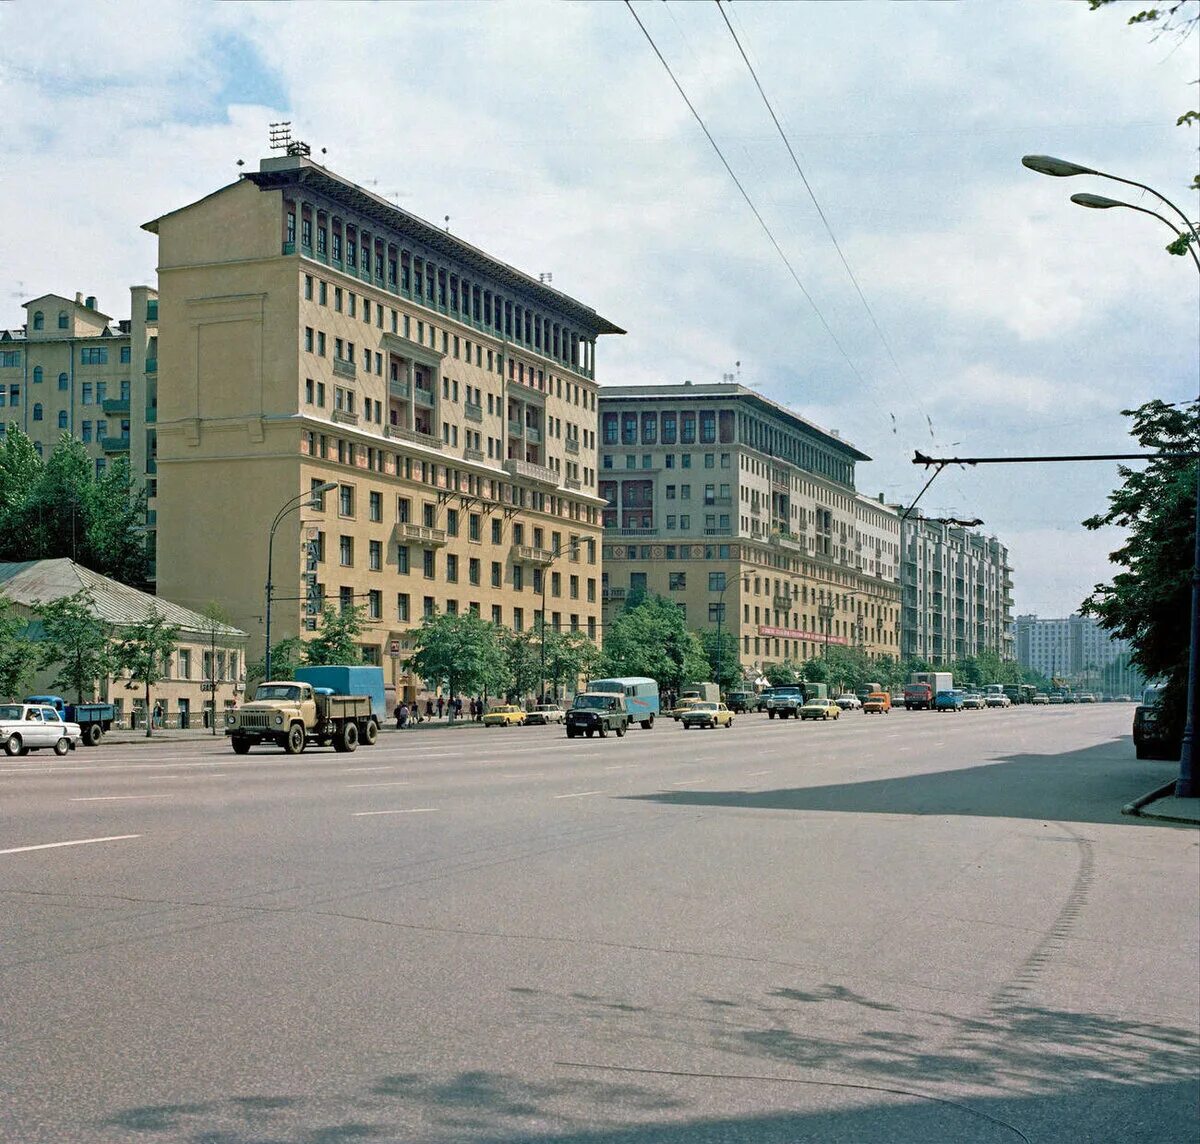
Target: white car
[[545, 714], [849, 702], [997, 700], [26, 727]]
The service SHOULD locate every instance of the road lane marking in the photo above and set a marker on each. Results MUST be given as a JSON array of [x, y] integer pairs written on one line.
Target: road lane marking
[[411, 810], [579, 794], [74, 842], [755, 774], [363, 770], [360, 786], [117, 797], [690, 782]]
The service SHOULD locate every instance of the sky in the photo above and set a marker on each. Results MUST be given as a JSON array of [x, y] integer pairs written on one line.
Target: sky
[[981, 314]]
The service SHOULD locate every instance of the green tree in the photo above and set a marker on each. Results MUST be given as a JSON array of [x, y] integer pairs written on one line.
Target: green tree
[[569, 655], [723, 658], [523, 657], [286, 656], [78, 642], [144, 650], [787, 672], [336, 642], [461, 651], [1148, 603], [652, 639], [18, 653]]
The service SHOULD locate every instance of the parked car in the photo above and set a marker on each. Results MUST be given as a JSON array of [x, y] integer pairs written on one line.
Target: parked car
[[1085, 697], [1055, 699], [948, 701], [26, 727], [1040, 699], [597, 713], [543, 714], [973, 701], [707, 714], [820, 709], [849, 702], [1151, 738], [506, 715], [877, 703], [997, 700]]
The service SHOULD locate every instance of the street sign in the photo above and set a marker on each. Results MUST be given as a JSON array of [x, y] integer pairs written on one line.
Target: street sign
[[394, 647], [208, 686]]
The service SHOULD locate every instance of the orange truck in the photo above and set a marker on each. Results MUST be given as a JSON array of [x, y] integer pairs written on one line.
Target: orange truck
[[877, 703]]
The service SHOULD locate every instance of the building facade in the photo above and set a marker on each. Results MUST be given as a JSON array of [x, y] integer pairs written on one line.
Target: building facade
[[315, 333], [745, 515], [208, 664], [1078, 650], [957, 592], [71, 369]]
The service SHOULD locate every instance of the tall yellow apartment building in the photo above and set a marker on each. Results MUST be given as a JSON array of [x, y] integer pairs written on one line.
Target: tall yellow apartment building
[[313, 332]]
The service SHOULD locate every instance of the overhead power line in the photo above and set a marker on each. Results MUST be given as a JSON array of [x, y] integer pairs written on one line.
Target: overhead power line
[[745, 194], [811, 193]]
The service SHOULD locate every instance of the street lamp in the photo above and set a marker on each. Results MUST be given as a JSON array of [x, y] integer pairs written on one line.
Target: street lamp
[[1185, 786], [304, 500], [720, 617], [573, 546]]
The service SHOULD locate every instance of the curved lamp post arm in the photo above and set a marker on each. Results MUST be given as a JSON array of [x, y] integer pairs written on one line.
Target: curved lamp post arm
[[1101, 203]]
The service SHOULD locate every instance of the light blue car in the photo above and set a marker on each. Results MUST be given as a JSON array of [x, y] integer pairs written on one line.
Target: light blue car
[[948, 701]]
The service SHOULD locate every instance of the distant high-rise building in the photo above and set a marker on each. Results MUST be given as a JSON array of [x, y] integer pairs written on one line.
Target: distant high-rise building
[[1078, 650]]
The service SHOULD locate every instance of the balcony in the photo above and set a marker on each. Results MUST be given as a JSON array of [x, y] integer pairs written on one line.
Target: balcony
[[788, 540], [531, 472], [421, 534], [423, 396], [532, 434], [718, 532], [151, 415], [530, 554], [115, 405], [650, 530], [399, 433], [782, 603], [473, 412], [571, 445], [152, 365], [114, 444], [516, 429], [573, 483], [398, 389], [470, 454], [612, 593], [345, 417], [718, 502], [344, 368]]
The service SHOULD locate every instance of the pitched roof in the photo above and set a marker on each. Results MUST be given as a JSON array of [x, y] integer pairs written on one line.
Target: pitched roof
[[40, 581]]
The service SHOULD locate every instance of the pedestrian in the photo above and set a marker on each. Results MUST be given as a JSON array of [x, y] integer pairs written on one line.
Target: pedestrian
[[402, 717], [396, 716], [158, 715], [441, 703], [415, 715], [428, 708], [458, 707]]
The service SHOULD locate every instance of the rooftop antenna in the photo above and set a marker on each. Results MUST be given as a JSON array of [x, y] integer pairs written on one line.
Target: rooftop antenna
[[281, 139], [447, 224], [545, 278]]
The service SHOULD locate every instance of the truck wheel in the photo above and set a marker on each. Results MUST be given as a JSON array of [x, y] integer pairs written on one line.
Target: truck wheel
[[370, 732], [348, 739], [240, 744], [621, 732], [294, 743], [770, 714], [92, 734], [648, 724], [603, 729], [570, 733], [62, 746], [12, 746]]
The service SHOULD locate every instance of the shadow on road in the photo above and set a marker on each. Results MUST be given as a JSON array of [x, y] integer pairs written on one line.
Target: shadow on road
[[1089, 785]]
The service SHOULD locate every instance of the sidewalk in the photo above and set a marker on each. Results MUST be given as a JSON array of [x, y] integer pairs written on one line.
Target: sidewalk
[[1162, 805]]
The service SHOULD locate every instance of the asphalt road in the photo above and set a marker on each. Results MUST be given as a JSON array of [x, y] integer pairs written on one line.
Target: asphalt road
[[908, 928]]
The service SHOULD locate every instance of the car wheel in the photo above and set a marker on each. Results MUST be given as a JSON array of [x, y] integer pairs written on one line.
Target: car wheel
[[370, 733], [12, 746], [621, 732], [241, 746], [730, 723], [92, 734], [570, 733], [295, 740], [62, 746], [770, 714], [591, 732]]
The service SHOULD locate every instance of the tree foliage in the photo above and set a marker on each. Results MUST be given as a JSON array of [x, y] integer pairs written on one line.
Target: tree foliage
[[78, 642], [1150, 601], [460, 651], [144, 650], [337, 640], [286, 656], [18, 654], [522, 654], [59, 507], [569, 655], [724, 663], [651, 639]]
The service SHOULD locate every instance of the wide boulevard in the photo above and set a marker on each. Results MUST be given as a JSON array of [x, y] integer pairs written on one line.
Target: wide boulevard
[[908, 928]]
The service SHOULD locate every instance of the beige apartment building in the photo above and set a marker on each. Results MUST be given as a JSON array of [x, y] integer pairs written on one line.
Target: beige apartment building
[[746, 515], [313, 332], [72, 369]]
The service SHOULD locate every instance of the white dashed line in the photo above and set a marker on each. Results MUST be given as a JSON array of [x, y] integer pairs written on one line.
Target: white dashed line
[[117, 797], [360, 786], [364, 770], [411, 810], [755, 774], [75, 842], [579, 794], [690, 782]]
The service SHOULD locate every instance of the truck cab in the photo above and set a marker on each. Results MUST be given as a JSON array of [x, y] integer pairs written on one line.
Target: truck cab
[[294, 714]]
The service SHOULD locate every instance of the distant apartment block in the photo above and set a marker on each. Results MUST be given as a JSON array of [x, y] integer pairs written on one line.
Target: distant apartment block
[[1076, 648], [73, 369], [957, 592], [745, 514]]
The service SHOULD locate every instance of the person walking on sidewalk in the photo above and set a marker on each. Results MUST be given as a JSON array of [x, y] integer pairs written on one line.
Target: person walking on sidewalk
[[428, 708], [441, 703]]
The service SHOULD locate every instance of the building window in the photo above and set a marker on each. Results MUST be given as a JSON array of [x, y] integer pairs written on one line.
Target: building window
[[402, 559], [375, 502], [37, 374], [677, 581], [346, 551], [346, 500], [93, 355], [429, 563], [375, 604], [62, 418], [345, 599], [451, 568], [63, 383], [39, 320], [402, 607], [37, 411]]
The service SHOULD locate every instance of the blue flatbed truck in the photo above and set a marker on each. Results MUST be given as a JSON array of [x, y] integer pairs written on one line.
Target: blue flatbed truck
[[93, 718]]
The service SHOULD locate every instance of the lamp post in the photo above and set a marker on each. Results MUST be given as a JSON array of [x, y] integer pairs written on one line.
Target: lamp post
[[826, 613], [573, 546], [304, 500], [1185, 786], [720, 617]]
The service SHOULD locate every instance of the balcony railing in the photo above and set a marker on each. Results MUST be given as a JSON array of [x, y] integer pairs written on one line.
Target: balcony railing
[[571, 445], [573, 483], [423, 396], [788, 540], [398, 389], [473, 454], [473, 412], [345, 417], [516, 428], [531, 471], [718, 532], [152, 365], [612, 593], [114, 444], [344, 368], [422, 534], [782, 603], [399, 433], [651, 531], [530, 554], [115, 405], [532, 434]]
